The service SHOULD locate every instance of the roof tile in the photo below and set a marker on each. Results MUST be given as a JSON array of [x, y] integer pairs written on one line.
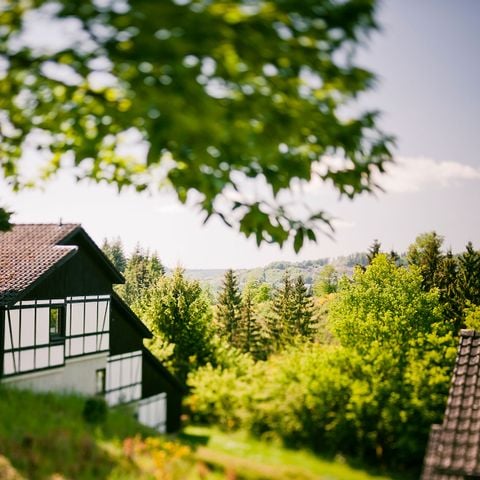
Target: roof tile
[[453, 448], [27, 252]]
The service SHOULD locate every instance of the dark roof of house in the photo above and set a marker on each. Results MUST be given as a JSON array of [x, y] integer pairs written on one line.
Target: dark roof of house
[[29, 252], [454, 446]]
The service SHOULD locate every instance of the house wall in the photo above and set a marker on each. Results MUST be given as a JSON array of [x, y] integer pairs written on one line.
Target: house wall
[[154, 382], [152, 411], [124, 378], [123, 336], [87, 325], [2, 341], [78, 375], [28, 344]]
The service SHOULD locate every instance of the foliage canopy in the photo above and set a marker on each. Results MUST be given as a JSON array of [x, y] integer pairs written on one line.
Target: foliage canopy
[[218, 93]]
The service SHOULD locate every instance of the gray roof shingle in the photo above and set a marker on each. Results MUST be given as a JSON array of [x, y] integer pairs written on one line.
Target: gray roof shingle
[[29, 251], [454, 446]]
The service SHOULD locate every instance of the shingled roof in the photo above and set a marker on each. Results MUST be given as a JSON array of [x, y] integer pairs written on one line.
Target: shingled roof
[[29, 251], [454, 446]]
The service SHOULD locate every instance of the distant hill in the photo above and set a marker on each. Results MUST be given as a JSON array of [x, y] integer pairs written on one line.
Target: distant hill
[[273, 272]]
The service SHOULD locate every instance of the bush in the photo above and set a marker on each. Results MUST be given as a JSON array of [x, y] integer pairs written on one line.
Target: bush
[[95, 410]]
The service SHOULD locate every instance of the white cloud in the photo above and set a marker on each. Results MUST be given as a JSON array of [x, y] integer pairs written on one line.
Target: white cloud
[[411, 174], [340, 224]]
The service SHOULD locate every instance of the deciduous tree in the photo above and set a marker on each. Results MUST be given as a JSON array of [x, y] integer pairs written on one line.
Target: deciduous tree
[[327, 281], [401, 355], [217, 93]]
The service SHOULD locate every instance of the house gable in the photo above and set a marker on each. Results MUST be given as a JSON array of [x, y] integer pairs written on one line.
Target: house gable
[[78, 275]]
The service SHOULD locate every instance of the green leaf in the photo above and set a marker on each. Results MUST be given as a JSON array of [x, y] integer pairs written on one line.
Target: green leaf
[[298, 240]]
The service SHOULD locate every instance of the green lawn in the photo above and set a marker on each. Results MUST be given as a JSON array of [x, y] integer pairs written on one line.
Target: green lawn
[[241, 457], [44, 437]]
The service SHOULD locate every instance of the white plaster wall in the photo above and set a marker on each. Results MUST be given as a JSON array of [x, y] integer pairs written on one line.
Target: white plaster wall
[[78, 375], [152, 411]]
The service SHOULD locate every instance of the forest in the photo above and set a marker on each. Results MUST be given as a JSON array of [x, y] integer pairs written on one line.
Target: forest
[[357, 365]]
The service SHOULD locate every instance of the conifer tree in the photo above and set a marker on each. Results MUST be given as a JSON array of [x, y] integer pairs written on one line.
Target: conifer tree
[[451, 295], [470, 274], [394, 257], [250, 326], [373, 251], [229, 308], [301, 318], [426, 253], [281, 312], [114, 251], [142, 272]]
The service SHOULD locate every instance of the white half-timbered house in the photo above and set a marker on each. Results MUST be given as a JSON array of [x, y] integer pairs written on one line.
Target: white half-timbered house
[[62, 328]]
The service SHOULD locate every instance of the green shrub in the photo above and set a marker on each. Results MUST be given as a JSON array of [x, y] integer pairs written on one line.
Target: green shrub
[[95, 410]]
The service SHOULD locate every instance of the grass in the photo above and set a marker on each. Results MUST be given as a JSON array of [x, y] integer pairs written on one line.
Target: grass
[[44, 437], [250, 459]]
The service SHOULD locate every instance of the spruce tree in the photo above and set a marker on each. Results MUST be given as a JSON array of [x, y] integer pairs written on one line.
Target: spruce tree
[[451, 295], [229, 308], [394, 257], [281, 312], [470, 274], [142, 272], [301, 317], [373, 251], [251, 331], [426, 253], [114, 251]]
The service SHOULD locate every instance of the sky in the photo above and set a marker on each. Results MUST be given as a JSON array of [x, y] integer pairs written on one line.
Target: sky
[[427, 62]]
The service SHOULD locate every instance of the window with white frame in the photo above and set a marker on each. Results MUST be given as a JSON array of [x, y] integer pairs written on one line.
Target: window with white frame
[[124, 378]]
